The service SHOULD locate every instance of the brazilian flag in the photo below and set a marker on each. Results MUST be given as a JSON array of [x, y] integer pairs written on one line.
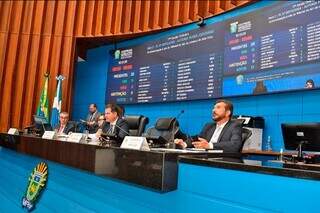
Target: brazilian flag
[[43, 106]]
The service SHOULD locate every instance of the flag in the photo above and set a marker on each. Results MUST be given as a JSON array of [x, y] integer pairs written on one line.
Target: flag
[[56, 107], [43, 106]]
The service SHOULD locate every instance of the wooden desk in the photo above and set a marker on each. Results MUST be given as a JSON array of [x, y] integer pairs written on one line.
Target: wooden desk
[[153, 169], [264, 152]]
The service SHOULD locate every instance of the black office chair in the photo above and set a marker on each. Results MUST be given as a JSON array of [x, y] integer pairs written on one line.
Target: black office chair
[[246, 134], [78, 126], [137, 124], [167, 128]]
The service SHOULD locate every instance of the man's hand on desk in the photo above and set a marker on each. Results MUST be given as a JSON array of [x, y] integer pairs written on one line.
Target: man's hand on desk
[[98, 133], [181, 143], [201, 143], [90, 123]]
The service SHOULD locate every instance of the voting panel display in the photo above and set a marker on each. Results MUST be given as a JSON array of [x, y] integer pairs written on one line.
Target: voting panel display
[[272, 49]]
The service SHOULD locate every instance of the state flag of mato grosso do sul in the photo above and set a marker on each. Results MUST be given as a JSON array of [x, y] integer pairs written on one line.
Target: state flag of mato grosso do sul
[[57, 101]]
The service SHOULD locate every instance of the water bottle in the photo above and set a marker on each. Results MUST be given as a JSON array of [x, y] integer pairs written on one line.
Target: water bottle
[[281, 155], [86, 135], [269, 145]]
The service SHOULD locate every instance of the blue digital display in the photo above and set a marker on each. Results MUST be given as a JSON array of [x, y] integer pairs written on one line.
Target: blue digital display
[[273, 49]]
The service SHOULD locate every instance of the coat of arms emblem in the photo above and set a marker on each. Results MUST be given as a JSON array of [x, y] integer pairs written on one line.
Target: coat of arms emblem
[[36, 183]]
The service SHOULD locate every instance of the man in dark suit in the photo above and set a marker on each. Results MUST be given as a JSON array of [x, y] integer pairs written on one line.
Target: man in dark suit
[[114, 123], [64, 126], [92, 118], [224, 134]]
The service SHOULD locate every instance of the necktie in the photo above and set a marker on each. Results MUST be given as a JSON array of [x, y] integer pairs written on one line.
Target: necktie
[[91, 116], [110, 130], [61, 129]]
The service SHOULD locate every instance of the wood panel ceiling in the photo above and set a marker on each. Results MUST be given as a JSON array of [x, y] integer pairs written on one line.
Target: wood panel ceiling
[[37, 37]]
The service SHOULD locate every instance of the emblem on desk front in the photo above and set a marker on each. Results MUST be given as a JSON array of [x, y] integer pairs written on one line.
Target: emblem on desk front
[[37, 181]]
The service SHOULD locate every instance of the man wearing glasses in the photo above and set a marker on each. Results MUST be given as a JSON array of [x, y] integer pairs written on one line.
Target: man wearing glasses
[[64, 126]]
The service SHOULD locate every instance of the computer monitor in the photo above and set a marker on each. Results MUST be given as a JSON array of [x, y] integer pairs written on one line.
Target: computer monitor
[[307, 134], [40, 120], [41, 124]]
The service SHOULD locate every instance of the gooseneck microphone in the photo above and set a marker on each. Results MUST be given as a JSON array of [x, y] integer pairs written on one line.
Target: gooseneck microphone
[[177, 117], [175, 130], [122, 129], [104, 141], [180, 113], [44, 128]]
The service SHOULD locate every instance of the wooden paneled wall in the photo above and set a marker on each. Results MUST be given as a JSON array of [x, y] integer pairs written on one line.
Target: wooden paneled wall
[[40, 36]]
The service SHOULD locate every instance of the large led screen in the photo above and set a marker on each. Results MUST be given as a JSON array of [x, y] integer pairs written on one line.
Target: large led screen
[[273, 49]]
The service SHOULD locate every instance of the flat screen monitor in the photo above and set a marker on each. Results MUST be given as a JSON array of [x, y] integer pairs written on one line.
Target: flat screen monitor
[[40, 120], [42, 124], [306, 133]]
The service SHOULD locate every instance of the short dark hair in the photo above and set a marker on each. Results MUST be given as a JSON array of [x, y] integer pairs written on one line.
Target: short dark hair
[[310, 81], [229, 105], [115, 108]]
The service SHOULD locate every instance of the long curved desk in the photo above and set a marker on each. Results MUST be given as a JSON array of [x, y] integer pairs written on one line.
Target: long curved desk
[[139, 182]]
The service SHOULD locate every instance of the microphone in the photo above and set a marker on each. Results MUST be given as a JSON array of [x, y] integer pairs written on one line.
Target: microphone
[[180, 113], [177, 117], [75, 126], [30, 126], [175, 130], [115, 137], [121, 129], [44, 128]]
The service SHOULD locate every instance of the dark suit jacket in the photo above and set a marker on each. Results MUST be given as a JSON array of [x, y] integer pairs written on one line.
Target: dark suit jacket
[[123, 124], [230, 139], [70, 127]]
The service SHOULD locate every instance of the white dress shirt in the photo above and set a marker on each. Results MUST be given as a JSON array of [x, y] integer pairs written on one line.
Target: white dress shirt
[[216, 134], [61, 129]]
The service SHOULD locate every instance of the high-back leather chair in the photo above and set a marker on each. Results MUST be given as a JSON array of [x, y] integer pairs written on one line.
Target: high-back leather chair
[[246, 133], [137, 124], [164, 127]]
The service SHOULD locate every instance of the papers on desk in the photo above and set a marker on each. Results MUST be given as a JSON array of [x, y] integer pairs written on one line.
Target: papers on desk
[[93, 140], [188, 150], [215, 151], [49, 135], [62, 137], [205, 150]]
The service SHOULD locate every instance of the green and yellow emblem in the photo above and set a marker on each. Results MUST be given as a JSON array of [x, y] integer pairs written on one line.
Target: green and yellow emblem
[[36, 183]]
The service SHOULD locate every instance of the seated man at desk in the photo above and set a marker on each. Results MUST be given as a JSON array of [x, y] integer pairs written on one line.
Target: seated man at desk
[[225, 134], [64, 126], [114, 123]]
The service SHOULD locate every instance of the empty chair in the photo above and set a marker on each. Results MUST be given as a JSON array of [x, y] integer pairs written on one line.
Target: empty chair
[[164, 127], [137, 124]]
